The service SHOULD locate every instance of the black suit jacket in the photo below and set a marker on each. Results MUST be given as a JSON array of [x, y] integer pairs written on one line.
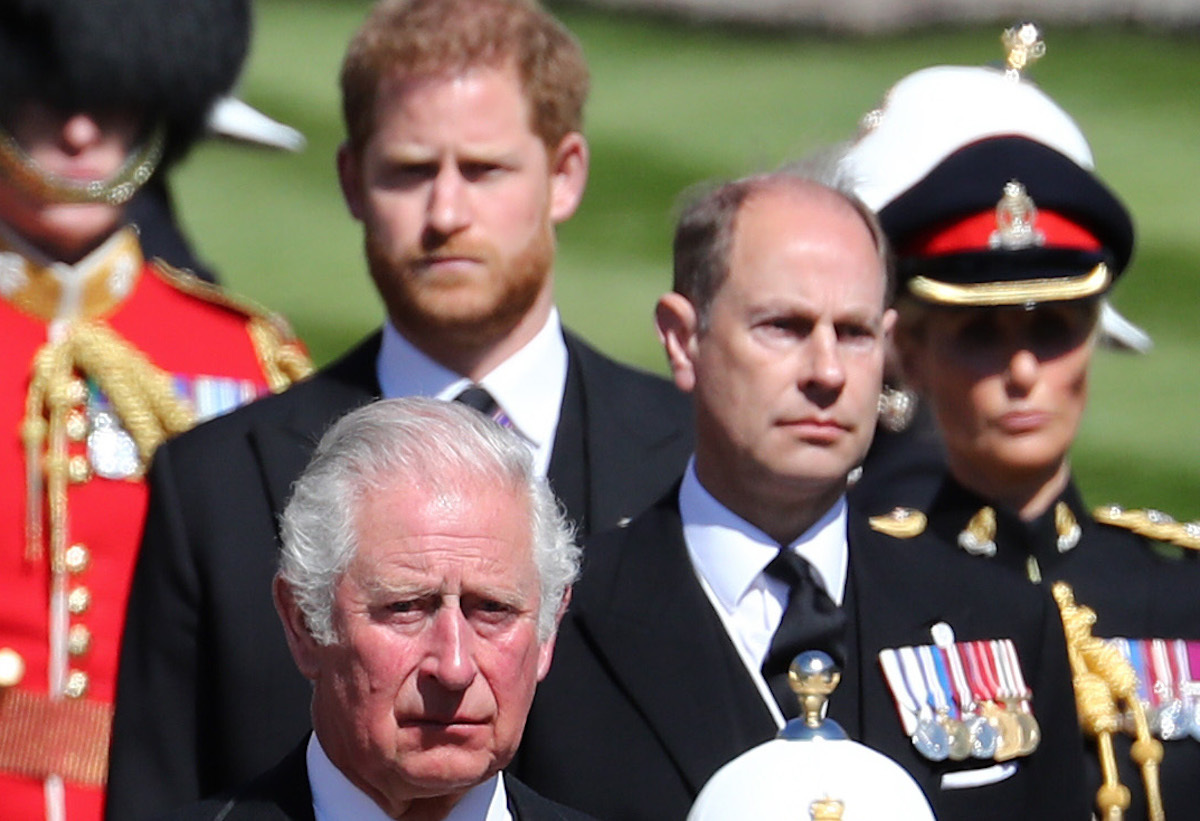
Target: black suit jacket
[[647, 696], [208, 695], [283, 793]]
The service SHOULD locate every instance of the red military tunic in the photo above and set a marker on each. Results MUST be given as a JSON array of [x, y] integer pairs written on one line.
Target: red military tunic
[[66, 564]]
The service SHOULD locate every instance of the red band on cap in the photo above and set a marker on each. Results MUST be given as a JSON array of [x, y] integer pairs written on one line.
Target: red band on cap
[[974, 234]]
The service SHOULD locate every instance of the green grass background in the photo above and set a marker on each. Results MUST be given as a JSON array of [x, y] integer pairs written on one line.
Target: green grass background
[[674, 104]]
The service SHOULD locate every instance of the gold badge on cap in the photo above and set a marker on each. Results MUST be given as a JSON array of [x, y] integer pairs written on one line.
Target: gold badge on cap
[[1016, 220]]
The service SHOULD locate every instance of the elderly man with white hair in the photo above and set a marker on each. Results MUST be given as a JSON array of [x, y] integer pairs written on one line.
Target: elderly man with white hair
[[424, 572]]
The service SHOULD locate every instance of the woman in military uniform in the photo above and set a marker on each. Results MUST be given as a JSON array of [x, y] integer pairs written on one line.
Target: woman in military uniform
[[1006, 244]]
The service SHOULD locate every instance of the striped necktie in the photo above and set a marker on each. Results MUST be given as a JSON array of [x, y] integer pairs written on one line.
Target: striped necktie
[[477, 397]]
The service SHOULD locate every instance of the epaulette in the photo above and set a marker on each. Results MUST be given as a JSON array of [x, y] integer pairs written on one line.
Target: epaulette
[[901, 523], [281, 354], [1153, 524]]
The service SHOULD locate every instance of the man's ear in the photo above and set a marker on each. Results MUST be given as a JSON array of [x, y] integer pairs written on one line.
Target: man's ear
[[300, 641], [678, 328], [889, 324], [568, 176], [349, 168], [546, 651]]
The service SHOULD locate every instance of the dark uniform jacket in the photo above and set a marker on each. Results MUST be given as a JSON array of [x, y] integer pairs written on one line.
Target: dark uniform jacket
[[647, 696], [903, 468], [1139, 590], [284, 794], [208, 694]]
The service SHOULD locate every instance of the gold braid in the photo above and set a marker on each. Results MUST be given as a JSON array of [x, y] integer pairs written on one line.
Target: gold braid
[[283, 362], [140, 392], [1102, 679], [142, 397]]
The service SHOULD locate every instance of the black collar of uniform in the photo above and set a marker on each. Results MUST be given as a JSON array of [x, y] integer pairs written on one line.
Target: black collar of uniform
[[1016, 541]]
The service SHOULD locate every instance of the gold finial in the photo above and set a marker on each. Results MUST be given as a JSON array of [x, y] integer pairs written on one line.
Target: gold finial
[[813, 676], [813, 683], [1024, 46], [826, 809]]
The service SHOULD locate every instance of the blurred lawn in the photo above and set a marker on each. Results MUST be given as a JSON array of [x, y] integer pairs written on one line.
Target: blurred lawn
[[673, 105]]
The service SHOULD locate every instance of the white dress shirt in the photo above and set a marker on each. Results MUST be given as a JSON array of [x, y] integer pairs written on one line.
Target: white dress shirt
[[729, 555], [336, 799], [528, 386]]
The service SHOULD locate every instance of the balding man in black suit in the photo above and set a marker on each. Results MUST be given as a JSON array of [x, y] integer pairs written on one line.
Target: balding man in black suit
[[672, 659]]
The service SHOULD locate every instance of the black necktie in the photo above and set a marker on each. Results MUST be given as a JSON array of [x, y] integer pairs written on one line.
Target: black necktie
[[811, 622], [477, 397]]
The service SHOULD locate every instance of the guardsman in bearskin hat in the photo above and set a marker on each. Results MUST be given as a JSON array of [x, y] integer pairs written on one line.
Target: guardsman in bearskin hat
[[104, 354], [1007, 244]]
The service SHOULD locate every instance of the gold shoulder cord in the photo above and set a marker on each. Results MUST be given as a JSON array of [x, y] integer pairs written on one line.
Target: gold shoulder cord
[[141, 395], [282, 360], [281, 357], [1102, 679], [1153, 524]]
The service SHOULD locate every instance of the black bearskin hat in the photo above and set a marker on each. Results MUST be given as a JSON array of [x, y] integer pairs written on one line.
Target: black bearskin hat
[[167, 60]]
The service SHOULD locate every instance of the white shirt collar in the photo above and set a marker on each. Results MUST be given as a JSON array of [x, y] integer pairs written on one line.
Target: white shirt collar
[[335, 798], [529, 385], [730, 553]]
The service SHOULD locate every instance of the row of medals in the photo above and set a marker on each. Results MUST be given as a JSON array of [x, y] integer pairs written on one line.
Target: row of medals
[[969, 699], [112, 451], [1167, 687]]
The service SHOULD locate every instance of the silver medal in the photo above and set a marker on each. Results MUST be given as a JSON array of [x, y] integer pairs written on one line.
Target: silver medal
[[1172, 721], [111, 450], [984, 737], [931, 739]]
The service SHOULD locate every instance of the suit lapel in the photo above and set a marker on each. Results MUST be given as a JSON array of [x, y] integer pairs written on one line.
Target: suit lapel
[[282, 793], [284, 445], [526, 805], [295, 797], [901, 590], [282, 453], [634, 435], [569, 472], [647, 615]]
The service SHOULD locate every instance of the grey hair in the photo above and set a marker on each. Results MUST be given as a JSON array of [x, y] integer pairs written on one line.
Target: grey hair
[[434, 443], [705, 228]]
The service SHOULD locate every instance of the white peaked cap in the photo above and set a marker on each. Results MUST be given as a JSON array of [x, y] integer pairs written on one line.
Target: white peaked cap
[[780, 779], [934, 112]]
